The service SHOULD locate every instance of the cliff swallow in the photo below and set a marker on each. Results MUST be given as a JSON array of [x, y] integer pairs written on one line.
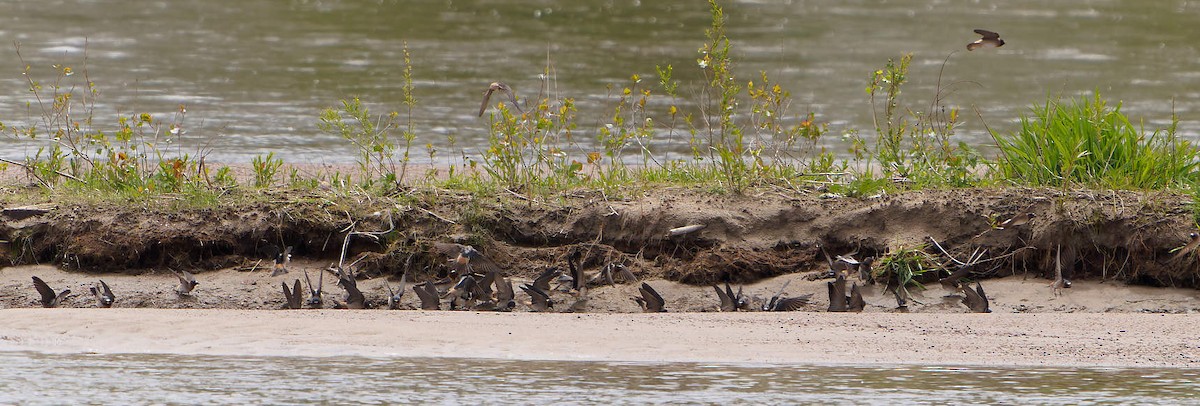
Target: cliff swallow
[[104, 295], [1060, 282], [354, 297], [1191, 246], [187, 282], [492, 88], [314, 295], [49, 298], [466, 292], [463, 259], [837, 294], [282, 260], [650, 301], [581, 301], [975, 299], [292, 296], [856, 303], [989, 40], [578, 279], [394, 296], [429, 296], [505, 298], [728, 303], [539, 300]]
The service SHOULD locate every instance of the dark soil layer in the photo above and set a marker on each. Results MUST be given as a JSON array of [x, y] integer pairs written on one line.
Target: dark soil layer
[[1112, 235]]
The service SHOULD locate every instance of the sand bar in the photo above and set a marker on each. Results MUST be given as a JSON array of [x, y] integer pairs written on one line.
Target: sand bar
[[1077, 339]]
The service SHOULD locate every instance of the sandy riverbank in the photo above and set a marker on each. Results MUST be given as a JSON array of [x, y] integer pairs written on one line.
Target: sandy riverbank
[[1077, 339]]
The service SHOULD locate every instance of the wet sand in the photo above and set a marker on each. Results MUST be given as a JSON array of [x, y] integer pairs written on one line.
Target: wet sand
[[1043, 339]]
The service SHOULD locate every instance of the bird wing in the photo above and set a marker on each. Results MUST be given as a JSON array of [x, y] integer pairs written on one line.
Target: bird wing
[[487, 95], [107, 292], [974, 300], [856, 300], [987, 34], [297, 297], [727, 304], [429, 300], [44, 290], [837, 295], [448, 249], [791, 304], [626, 274], [537, 297], [951, 282], [512, 97], [654, 301], [543, 281], [979, 290], [504, 290]]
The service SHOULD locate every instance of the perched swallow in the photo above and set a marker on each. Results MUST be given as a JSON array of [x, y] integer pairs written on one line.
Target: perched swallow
[[354, 297], [504, 297], [466, 292], [837, 294], [727, 298], [292, 296], [1191, 246], [463, 259], [580, 303], [542, 282], [856, 303], [975, 299], [1060, 282], [187, 282], [492, 88], [282, 260], [952, 282], [650, 301], [578, 280], [989, 40], [430, 300], [395, 296], [314, 295], [539, 300], [104, 295], [49, 298]]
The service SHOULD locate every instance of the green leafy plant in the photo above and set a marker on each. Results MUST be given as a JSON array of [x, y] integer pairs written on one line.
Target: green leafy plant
[[265, 168], [1087, 143]]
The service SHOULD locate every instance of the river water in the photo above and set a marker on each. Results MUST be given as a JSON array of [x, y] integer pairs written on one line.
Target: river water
[[37, 378], [255, 74]]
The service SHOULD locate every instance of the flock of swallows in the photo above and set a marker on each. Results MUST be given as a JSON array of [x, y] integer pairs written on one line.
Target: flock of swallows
[[989, 40], [475, 283]]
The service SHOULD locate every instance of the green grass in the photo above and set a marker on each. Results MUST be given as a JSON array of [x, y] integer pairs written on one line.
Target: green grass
[[1086, 143]]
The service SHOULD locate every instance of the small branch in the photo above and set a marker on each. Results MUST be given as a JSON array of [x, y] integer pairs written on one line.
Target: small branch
[[435, 215], [26, 166]]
